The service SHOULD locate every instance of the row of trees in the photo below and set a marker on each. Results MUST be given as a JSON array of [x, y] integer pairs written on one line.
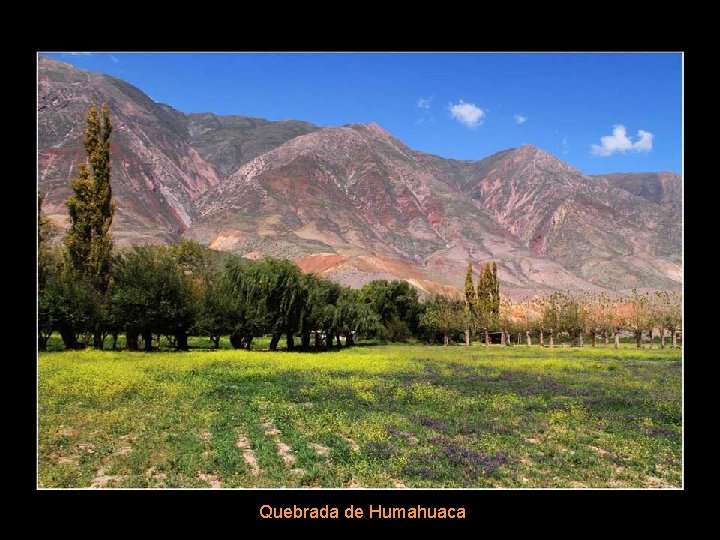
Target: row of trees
[[187, 289], [577, 315], [600, 314]]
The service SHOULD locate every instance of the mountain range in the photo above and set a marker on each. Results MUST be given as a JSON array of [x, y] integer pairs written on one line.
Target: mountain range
[[354, 203]]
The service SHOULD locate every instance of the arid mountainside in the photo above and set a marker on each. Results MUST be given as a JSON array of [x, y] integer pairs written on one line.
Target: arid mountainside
[[357, 204], [602, 233], [156, 174], [354, 203], [162, 159], [663, 188]]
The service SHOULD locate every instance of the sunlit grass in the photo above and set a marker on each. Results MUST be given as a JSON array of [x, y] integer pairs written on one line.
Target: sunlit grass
[[376, 416]]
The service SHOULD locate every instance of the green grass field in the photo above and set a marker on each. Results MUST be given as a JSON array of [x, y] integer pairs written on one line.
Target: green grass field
[[373, 416]]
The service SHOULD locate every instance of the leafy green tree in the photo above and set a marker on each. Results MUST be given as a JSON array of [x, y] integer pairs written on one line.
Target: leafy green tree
[[215, 307], [49, 295], [318, 312], [488, 289], [202, 268], [46, 231], [470, 294], [48, 268], [88, 240], [243, 306], [470, 302], [194, 258], [279, 284], [397, 304], [445, 316], [69, 304], [152, 295], [488, 299], [269, 296], [352, 316]]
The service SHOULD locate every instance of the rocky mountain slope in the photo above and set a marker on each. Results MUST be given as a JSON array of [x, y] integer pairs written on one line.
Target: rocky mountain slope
[[354, 203], [664, 188], [600, 232], [162, 159]]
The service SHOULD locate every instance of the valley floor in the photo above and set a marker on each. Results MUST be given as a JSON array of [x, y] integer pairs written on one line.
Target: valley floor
[[372, 416]]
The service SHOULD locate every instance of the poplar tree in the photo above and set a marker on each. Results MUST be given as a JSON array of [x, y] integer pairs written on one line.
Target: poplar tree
[[488, 298], [469, 286], [91, 209], [494, 290], [470, 301]]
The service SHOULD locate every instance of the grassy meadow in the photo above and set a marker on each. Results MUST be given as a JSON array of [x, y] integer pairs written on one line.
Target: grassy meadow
[[371, 416]]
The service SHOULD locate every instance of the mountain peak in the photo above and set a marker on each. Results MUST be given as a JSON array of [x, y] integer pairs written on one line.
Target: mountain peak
[[532, 150], [531, 154], [372, 127], [375, 128]]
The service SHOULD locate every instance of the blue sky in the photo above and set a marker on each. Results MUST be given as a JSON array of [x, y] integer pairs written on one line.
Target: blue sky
[[599, 112]]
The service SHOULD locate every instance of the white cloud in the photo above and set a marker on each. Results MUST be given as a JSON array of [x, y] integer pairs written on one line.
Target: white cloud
[[564, 144], [644, 144], [467, 114], [520, 119], [620, 142], [80, 53], [114, 59], [424, 103]]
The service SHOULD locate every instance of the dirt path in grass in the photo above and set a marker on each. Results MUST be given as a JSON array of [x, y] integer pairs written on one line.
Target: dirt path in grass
[[101, 479], [283, 449], [248, 455], [211, 479]]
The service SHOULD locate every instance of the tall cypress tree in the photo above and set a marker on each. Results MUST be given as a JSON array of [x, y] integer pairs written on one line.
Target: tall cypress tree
[[494, 290], [470, 301], [488, 296], [469, 286], [482, 289], [91, 211]]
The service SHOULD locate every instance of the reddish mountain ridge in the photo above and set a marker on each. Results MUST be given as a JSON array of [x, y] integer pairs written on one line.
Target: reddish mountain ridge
[[354, 203]]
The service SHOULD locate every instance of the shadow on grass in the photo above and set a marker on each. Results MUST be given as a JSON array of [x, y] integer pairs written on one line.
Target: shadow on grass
[[200, 344]]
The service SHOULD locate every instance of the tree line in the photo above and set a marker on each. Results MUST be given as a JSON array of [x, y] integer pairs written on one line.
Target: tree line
[[577, 315], [186, 289]]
